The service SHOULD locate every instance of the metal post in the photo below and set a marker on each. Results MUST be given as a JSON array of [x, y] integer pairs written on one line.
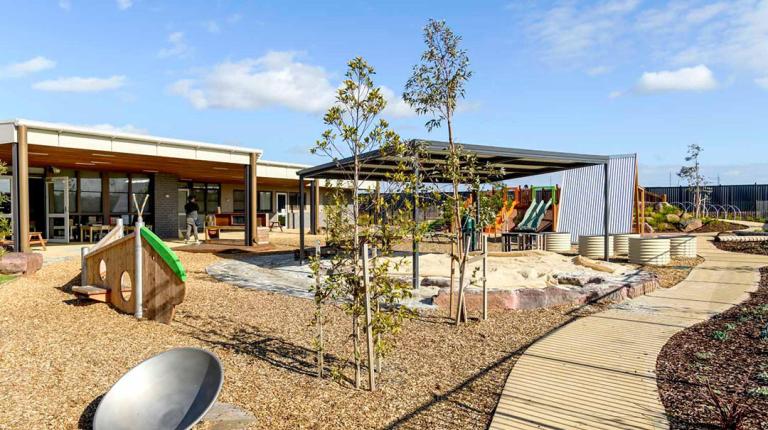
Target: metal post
[[138, 284], [84, 266], [248, 214], [606, 217], [415, 242], [301, 220], [476, 232], [15, 224]]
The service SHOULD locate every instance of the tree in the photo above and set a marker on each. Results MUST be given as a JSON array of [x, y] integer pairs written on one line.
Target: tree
[[354, 127], [435, 86], [693, 177]]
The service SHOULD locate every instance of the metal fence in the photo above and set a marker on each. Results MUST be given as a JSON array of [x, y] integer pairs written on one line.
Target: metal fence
[[752, 200]]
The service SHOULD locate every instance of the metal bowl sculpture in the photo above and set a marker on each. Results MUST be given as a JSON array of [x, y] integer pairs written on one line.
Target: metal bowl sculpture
[[172, 390]]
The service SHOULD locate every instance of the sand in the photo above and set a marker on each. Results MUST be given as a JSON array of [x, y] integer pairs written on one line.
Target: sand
[[535, 269]]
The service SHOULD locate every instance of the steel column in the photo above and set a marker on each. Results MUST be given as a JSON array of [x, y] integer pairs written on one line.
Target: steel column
[[606, 215]]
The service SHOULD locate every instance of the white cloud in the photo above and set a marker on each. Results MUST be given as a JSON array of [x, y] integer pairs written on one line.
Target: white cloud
[[78, 84], [178, 46], [698, 78], [65, 4], [705, 13], [275, 79], [126, 128], [33, 65], [569, 32], [124, 4], [234, 18], [762, 82], [615, 94], [396, 106]]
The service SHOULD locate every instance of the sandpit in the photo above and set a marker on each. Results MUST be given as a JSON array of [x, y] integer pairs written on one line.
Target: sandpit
[[530, 279], [531, 269]]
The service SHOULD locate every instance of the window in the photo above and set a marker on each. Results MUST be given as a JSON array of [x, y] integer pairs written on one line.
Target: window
[[238, 201], [265, 201], [140, 187], [90, 193], [72, 194], [212, 198], [118, 193]]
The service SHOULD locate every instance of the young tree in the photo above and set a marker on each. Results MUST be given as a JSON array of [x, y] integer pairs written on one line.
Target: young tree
[[354, 128], [434, 88], [693, 177]]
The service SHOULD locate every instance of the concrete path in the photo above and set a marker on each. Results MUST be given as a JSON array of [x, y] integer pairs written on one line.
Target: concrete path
[[599, 371]]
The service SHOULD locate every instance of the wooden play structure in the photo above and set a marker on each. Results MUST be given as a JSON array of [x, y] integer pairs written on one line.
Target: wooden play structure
[[136, 274]]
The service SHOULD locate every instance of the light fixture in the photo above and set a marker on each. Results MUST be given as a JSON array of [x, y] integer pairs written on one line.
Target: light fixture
[[38, 153], [100, 162], [85, 164], [220, 168], [150, 171], [103, 155]]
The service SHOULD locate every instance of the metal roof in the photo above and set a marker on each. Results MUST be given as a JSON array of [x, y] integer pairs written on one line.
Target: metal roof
[[495, 163]]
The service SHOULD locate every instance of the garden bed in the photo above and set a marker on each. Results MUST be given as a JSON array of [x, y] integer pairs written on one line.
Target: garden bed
[[746, 247], [725, 352], [718, 226]]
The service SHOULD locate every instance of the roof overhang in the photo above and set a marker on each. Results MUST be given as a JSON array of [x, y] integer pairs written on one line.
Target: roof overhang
[[495, 163], [88, 139]]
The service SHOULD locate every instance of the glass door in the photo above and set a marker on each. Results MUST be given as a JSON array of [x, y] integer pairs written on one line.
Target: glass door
[[282, 209], [57, 209], [182, 215]]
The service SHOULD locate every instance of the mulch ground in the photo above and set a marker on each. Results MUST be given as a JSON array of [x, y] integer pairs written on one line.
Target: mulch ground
[[725, 352], [718, 226], [747, 247], [674, 272], [57, 358]]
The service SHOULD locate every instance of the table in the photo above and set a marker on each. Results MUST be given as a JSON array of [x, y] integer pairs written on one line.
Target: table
[[98, 228], [523, 241]]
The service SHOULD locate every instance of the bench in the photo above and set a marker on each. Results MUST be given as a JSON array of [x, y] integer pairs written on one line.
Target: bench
[[90, 292], [212, 231], [35, 238]]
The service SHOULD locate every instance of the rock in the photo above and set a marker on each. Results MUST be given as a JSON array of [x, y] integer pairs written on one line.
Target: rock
[[686, 215], [658, 207], [673, 218], [580, 260], [648, 229], [226, 416], [20, 262], [691, 225]]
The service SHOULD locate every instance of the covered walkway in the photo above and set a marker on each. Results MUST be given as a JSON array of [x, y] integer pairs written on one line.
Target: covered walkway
[[599, 371]]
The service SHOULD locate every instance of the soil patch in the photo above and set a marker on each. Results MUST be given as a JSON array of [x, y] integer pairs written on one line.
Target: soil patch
[[745, 247], [727, 353], [717, 226], [674, 272]]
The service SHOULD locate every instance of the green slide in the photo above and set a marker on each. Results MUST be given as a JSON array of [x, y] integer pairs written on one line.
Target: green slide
[[167, 254], [535, 219]]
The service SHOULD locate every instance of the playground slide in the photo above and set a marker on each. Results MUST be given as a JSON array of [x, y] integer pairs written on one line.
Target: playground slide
[[535, 218], [166, 253], [532, 209]]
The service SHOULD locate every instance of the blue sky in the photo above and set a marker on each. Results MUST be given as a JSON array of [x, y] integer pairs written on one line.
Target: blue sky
[[606, 77]]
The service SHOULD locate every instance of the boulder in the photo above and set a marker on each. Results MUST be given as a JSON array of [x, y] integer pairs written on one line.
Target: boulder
[[691, 225], [687, 215], [26, 263], [580, 260], [648, 228], [673, 218]]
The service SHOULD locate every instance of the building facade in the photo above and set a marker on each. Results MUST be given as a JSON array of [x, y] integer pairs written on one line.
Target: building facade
[[66, 182]]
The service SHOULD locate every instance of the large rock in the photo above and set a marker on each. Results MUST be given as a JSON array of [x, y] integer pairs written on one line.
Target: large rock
[[691, 225], [647, 228], [673, 218], [26, 263], [588, 289]]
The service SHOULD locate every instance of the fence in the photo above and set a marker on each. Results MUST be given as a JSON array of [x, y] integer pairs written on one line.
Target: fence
[[752, 200]]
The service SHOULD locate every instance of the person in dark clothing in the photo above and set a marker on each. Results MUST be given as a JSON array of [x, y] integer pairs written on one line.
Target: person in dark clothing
[[191, 209]]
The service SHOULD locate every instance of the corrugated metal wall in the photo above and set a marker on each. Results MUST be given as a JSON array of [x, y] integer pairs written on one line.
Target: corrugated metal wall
[[582, 199], [750, 199]]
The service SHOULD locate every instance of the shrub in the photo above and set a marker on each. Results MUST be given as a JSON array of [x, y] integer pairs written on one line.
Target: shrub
[[720, 335], [703, 355], [730, 326], [758, 392], [673, 218], [762, 377]]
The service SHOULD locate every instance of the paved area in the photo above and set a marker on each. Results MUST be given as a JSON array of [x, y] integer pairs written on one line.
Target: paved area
[[599, 371]]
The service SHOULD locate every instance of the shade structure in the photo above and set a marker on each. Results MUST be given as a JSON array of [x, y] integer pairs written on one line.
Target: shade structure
[[495, 164]]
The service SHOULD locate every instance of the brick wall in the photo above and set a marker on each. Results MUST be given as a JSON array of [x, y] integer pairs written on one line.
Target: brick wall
[[166, 202]]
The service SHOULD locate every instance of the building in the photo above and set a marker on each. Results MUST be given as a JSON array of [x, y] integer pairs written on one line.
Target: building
[[63, 179]]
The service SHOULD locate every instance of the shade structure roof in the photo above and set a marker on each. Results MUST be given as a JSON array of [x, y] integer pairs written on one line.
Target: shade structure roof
[[495, 163]]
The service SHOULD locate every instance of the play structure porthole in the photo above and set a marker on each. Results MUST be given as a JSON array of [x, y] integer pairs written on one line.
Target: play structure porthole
[[126, 286], [102, 270]]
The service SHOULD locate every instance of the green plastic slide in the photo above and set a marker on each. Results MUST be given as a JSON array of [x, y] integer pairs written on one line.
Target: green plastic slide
[[166, 253]]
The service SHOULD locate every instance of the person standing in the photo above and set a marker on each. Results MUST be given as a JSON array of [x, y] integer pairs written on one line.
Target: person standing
[[191, 209]]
